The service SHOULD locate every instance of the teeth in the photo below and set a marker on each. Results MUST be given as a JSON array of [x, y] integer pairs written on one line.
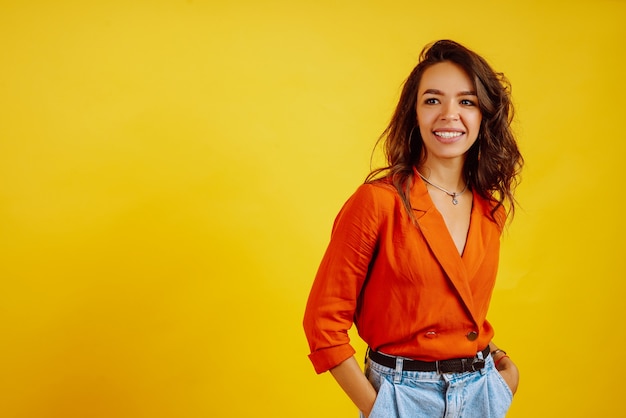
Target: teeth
[[448, 135]]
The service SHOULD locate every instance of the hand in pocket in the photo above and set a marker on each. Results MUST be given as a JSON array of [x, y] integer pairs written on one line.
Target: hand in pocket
[[509, 372]]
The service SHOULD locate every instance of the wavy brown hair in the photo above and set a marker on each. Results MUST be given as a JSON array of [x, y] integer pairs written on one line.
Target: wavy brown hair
[[493, 162]]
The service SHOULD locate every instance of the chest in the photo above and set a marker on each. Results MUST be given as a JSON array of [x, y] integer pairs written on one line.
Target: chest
[[455, 216]]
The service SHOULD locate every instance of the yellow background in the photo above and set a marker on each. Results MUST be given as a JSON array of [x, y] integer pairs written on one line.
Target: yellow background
[[170, 170]]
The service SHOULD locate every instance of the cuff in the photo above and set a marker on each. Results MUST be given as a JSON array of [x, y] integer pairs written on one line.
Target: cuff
[[327, 358]]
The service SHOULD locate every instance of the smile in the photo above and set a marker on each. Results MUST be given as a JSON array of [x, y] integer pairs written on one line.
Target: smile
[[448, 135]]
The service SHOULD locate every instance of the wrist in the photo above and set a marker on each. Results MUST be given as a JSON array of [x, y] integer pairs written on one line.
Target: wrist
[[498, 356], [497, 352], [498, 363]]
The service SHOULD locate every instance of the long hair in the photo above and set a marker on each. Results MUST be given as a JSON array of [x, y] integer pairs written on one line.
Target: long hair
[[493, 163]]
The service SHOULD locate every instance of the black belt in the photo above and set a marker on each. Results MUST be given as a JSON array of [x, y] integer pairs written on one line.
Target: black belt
[[455, 365]]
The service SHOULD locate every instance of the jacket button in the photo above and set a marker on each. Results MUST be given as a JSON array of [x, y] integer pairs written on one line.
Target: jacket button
[[472, 335], [431, 334]]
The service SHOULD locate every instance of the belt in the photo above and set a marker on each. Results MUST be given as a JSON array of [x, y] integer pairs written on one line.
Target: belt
[[455, 365]]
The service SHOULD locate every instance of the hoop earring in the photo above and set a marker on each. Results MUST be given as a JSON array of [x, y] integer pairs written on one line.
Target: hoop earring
[[410, 138]]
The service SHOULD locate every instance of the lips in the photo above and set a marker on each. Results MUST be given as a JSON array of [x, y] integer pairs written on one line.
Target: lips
[[448, 136]]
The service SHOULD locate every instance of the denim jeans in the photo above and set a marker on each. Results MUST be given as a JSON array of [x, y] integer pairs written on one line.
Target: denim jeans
[[406, 394]]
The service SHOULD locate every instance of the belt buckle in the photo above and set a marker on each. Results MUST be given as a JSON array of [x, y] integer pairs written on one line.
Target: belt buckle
[[478, 364]]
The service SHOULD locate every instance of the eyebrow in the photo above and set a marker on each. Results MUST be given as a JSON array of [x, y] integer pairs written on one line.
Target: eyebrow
[[440, 93]]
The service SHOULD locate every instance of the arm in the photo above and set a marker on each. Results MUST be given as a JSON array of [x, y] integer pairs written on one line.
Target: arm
[[506, 367], [354, 383], [334, 295]]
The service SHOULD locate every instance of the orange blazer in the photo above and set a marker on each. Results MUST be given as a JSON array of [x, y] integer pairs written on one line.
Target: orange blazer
[[405, 287]]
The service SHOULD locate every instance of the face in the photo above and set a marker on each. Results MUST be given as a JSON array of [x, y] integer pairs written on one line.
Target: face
[[447, 112]]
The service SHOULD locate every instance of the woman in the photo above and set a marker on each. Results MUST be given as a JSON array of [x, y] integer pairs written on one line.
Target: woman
[[413, 255]]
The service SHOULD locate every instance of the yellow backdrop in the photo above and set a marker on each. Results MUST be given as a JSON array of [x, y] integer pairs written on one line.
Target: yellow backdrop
[[170, 170]]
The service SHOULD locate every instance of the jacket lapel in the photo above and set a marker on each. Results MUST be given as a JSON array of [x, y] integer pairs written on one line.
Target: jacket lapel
[[479, 236], [434, 230]]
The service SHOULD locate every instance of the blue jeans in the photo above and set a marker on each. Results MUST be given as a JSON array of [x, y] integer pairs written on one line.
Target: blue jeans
[[479, 394]]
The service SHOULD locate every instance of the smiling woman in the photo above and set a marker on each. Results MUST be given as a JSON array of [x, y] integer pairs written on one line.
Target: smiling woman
[[402, 249]]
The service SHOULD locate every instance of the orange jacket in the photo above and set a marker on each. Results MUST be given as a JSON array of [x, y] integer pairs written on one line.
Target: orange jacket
[[406, 288]]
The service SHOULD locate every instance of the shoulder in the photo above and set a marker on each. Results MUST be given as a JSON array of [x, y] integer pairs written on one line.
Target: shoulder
[[370, 200], [379, 194], [380, 189], [492, 210]]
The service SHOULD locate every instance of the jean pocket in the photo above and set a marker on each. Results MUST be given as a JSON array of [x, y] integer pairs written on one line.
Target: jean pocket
[[505, 385], [374, 377], [381, 408]]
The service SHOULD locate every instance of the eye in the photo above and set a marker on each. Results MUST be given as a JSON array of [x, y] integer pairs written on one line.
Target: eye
[[468, 102], [431, 101]]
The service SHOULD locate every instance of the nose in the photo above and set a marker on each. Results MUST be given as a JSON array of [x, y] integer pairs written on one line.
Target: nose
[[450, 111]]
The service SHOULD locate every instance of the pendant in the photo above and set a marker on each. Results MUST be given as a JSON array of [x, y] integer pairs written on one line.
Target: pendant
[[454, 199]]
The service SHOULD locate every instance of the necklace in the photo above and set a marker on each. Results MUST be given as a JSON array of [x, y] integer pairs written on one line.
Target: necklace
[[454, 195]]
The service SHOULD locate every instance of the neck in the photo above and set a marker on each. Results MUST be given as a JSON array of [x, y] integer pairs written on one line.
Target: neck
[[448, 177]]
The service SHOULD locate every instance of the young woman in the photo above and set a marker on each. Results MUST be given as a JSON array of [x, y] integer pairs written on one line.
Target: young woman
[[413, 255]]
